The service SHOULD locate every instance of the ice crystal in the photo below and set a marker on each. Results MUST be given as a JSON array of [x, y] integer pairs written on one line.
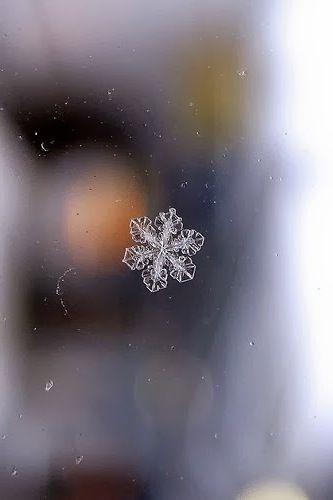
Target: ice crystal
[[163, 250]]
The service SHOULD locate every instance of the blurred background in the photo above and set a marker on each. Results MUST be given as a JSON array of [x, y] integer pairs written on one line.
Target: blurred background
[[216, 389]]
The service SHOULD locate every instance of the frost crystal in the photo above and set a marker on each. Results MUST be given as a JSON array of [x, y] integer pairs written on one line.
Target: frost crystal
[[164, 249]]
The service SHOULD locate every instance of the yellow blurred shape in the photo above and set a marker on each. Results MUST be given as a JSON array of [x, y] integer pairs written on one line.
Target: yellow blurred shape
[[273, 491], [221, 93], [99, 207], [218, 91]]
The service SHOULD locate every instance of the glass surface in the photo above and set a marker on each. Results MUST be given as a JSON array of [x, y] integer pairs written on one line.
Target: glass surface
[[158, 379]]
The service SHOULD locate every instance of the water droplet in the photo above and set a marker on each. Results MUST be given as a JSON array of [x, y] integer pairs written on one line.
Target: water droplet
[[252, 343], [270, 177], [215, 435], [78, 459], [3, 436], [198, 133], [183, 184], [48, 386], [14, 472], [191, 104], [242, 73]]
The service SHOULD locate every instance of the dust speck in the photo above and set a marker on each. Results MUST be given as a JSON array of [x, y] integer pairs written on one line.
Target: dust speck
[[49, 384]]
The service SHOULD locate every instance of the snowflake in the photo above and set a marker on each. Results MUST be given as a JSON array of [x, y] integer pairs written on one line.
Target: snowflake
[[158, 254]]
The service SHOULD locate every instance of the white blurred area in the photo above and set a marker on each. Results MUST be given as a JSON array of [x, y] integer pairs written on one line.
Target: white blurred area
[[248, 416], [311, 106], [310, 37]]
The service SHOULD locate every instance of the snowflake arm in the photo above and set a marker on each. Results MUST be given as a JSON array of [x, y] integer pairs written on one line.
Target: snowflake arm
[[189, 242], [138, 257], [169, 224], [181, 268], [142, 231], [155, 279]]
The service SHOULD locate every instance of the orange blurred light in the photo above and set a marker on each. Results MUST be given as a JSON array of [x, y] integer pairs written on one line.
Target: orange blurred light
[[98, 210]]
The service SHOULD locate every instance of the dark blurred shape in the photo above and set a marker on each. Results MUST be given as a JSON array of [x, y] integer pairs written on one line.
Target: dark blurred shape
[[108, 486]]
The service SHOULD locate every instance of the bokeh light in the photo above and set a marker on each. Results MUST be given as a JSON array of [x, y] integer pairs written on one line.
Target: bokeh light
[[273, 491], [99, 206]]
